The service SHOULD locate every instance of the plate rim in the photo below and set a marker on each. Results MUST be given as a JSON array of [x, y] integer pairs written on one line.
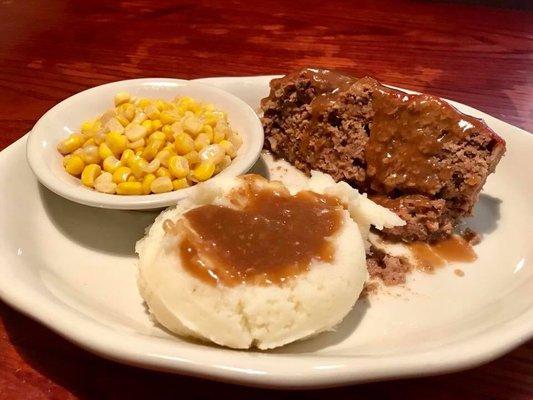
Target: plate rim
[[489, 345]]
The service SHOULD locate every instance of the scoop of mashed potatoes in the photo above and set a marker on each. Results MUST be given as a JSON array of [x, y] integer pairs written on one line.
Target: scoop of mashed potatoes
[[258, 315]]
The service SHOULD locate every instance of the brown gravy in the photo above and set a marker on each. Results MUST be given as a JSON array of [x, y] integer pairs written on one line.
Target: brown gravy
[[270, 238], [431, 256]]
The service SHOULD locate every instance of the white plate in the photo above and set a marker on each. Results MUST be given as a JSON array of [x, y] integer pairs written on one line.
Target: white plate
[[67, 116], [72, 268]]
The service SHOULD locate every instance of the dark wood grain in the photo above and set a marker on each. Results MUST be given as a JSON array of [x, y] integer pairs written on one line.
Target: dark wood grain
[[481, 55]]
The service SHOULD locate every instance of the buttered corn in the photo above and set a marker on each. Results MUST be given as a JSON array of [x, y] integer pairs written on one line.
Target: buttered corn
[[144, 146]]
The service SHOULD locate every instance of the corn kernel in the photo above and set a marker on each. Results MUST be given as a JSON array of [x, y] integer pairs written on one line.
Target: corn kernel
[[208, 130], [139, 151], [111, 164], [201, 141], [191, 125], [148, 125], [157, 135], [137, 144], [161, 105], [162, 171], [183, 143], [144, 103], [139, 118], [89, 142], [156, 124], [89, 128], [104, 183], [126, 155], [180, 183], [228, 148], [121, 174], [123, 120], [77, 152], [89, 174], [161, 184], [90, 155], [121, 97], [152, 149], [204, 171], [116, 142], [99, 137], [135, 132], [74, 165], [113, 125], [169, 134], [218, 136], [131, 178], [235, 139], [213, 152], [164, 155], [167, 118], [70, 144], [152, 166], [152, 111], [226, 161], [193, 157], [178, 166], [130, 188], [138, 166], [147, 183]]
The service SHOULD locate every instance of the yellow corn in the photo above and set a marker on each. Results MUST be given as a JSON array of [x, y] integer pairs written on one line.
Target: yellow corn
[[161, 104], [208, 130], [137, 144], [152, 166], [130, 188], [193, 157], [201, 141], [131, 178], [135, 132], [104, 183], [162, 171], [218, 136], [151, 149], [157, 135], [152, 111], [213, 152], [147, 183], [204, 171], [89, 128], [144, 103], [164, 155], [183, 144], [104, 151], [192, 125], [111, 164], [148, 125], [167, 118], [228, 147], [89, 142], [235, 139], [169, 134], [138, 166], [121, 97], [180, 183], [156, 124], [90, 155], [99, 138], [126, 155], [226, 161], [116, 142], [121, 174], [161, 184], [70, 144], [178, 166], [74, 165], [123, 120], [89, 174]]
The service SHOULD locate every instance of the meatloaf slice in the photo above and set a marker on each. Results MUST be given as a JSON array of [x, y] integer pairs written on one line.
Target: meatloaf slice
[[384, 142]]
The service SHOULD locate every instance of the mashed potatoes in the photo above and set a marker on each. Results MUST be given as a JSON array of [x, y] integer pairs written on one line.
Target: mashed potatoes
[[250, 315]]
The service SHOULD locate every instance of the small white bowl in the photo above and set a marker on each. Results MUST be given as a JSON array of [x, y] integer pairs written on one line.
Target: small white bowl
[[66, 117]]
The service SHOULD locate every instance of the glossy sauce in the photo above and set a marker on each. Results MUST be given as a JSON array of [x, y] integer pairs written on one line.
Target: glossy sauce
[[431, 256], [270, 238], [408, 132]]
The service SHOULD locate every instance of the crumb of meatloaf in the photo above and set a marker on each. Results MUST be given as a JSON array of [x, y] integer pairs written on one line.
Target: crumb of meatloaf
[[390, 269], [384, 142]]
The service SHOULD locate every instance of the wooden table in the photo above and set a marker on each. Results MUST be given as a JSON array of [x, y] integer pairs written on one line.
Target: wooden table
[[479, 55]]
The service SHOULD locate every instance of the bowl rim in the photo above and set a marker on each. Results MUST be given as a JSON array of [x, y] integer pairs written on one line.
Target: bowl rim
[[86, 196]]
